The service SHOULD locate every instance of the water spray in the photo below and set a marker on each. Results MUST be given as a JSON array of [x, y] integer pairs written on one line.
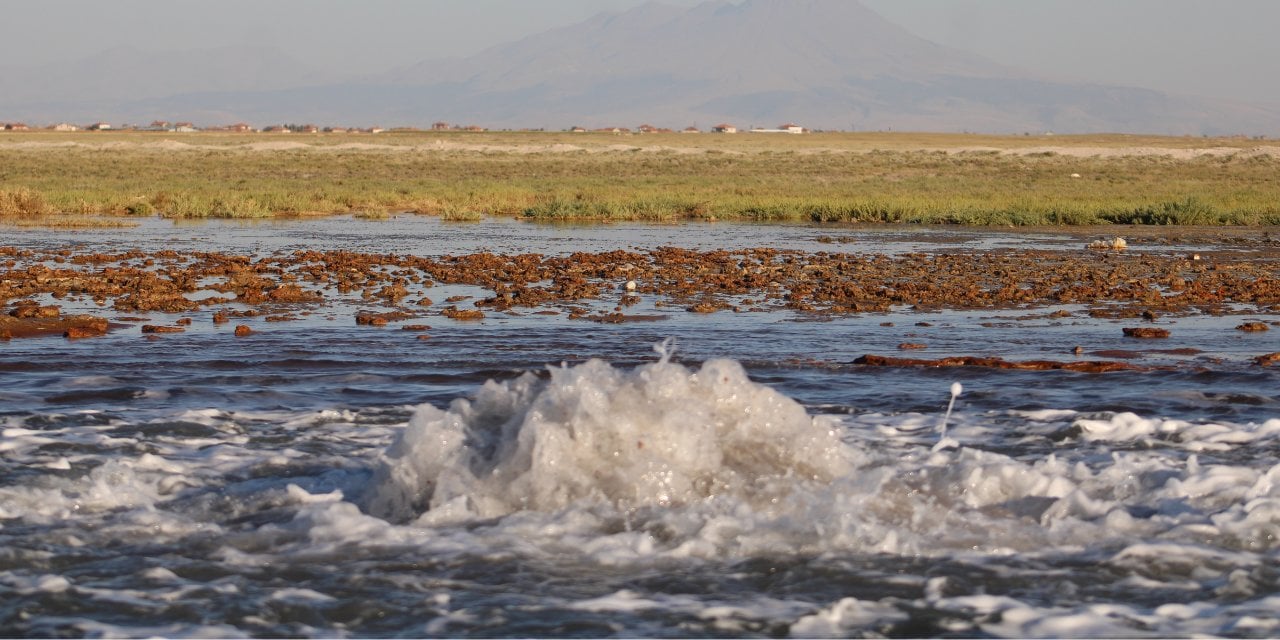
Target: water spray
[[665, 349], [943, 440]]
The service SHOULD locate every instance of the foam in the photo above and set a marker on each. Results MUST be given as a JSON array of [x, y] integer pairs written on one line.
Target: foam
[[660, 435]]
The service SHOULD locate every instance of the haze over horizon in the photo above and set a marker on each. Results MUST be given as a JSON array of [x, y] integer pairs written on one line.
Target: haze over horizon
[[1182, 47], [1196, 47]]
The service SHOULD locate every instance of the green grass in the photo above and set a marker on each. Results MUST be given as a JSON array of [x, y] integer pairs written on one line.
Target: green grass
[[868, 178]]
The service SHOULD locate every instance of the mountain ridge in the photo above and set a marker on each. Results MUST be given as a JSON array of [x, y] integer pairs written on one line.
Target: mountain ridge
[[827, 64]]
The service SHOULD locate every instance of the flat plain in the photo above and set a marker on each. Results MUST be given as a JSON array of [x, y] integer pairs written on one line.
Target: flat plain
[[104, 178]]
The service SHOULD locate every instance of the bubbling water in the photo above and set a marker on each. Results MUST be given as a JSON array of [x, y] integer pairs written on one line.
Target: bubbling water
[[660, 435]]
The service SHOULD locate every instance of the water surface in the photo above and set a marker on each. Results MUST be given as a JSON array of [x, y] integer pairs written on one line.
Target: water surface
[[533, 475]]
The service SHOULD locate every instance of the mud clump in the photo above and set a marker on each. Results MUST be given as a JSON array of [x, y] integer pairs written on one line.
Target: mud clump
[[1145, 333], [375, 319], [454, 313], [78, 332], [32, 310], [79, 325], [292, 293], [1111, 283], [155, 328], [1096, 366]]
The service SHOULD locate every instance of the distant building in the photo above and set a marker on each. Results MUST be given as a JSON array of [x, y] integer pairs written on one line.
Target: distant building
[[724, 128], [786, 128], [277, 129], [690, 130], [335, 129], [185, 127], [647, 128], [474, 128], [308, 128], [440, 126], [239, 127], [578, 130], [16, 126], [64, 126], [99, 126]]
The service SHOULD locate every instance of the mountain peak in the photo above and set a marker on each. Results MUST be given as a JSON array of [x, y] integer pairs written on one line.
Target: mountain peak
[[826, 64]]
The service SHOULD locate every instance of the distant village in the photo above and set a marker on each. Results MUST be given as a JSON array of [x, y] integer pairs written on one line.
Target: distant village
[[240, 127]]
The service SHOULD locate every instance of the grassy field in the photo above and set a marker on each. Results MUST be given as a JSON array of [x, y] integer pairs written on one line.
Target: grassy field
[[885, 177]]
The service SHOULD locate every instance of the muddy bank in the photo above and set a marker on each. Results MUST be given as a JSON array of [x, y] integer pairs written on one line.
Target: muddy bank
[[1111, 283]]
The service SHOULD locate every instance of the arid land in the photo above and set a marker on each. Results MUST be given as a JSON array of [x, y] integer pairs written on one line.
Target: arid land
[[106, 178]]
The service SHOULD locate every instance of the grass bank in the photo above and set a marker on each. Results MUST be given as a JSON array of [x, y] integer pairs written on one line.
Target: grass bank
[[894, 178]]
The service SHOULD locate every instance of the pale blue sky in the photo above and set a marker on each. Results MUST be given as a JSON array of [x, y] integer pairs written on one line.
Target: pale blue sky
[[1207, 47]]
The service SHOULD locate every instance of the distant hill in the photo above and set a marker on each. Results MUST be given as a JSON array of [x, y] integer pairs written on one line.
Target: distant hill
[[826, 64]]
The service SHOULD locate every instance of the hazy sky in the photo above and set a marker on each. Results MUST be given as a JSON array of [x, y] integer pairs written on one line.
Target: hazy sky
[[1207, 47]]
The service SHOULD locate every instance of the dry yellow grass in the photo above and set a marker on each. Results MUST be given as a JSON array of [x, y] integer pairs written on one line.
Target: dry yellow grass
[[871, 177]]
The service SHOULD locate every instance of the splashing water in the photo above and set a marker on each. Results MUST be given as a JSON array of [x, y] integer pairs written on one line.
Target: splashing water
[[659, 435]]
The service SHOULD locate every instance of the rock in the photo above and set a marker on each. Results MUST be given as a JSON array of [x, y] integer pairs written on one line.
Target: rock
[[1145, 332], [1267, 359], [1253, 326], [243, 330], [220, 318], [912, 345]]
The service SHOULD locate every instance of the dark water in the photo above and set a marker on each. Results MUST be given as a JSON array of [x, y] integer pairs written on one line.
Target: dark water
[[198, 484]]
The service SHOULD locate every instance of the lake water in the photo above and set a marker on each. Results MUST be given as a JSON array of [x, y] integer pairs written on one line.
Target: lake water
[[698, 475]]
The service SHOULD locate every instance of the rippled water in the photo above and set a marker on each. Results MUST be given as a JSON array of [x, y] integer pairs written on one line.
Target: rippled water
[[540, 476]]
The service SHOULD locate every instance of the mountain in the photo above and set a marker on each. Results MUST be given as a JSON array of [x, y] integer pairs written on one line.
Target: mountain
[[826, 64]]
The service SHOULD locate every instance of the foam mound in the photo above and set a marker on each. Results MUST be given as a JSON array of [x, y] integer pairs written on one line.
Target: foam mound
[[659, 435]]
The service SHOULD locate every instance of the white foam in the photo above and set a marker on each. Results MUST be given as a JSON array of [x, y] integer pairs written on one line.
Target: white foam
[[660, 435], [845, 616]]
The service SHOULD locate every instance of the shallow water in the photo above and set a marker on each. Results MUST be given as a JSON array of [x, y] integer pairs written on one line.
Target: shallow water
[[321, 479]]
